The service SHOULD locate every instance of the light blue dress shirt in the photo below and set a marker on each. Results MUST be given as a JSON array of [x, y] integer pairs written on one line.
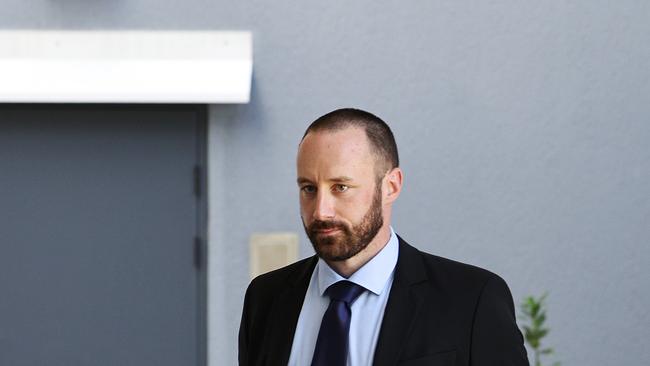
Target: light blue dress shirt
[[367, 311]]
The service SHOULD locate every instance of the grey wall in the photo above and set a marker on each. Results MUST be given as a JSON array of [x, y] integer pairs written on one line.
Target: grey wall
[[523, 129]]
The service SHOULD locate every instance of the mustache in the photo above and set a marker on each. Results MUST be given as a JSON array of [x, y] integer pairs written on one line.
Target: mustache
[[324, 225]]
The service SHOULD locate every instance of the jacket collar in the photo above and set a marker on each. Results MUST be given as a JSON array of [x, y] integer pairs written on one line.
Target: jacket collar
[[285, 312], [404, 305]]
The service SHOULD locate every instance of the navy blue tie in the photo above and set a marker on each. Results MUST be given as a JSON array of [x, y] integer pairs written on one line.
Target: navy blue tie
[[332, 344]]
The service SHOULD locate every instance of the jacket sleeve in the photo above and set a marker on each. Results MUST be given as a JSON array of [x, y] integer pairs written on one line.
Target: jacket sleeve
[[243, 331], [496, 340]]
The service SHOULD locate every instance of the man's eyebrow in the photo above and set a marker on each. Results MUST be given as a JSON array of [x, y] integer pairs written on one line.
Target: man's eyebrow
[[302, 180], [341, 179]]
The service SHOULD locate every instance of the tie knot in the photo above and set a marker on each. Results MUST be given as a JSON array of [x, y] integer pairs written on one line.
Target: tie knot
[[345, 291]]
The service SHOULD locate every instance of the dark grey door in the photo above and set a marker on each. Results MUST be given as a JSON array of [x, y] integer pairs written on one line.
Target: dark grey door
[[99, 212]]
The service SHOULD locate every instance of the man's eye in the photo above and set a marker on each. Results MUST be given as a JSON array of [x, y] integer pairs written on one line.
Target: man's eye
[[308, 189], [340, 188]]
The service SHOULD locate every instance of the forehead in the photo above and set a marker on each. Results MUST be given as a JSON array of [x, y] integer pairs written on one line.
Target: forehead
[[345, 151]]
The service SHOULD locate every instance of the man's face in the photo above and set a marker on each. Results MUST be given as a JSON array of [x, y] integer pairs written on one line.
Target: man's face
[[340, 195]]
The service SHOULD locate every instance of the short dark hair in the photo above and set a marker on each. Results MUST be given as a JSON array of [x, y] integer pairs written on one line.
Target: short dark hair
[[380, 137]]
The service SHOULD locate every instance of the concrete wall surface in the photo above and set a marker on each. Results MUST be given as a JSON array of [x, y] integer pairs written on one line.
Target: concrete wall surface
[[523, 127]]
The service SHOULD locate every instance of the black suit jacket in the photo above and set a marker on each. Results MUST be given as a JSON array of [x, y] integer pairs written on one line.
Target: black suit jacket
[[439, 312]]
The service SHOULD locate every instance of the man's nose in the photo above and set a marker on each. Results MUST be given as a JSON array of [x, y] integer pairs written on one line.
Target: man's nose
[[324, 209]]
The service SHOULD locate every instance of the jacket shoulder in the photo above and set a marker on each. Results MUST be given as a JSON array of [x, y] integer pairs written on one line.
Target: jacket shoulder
[[269, 283], [445, 272], [459, 270]]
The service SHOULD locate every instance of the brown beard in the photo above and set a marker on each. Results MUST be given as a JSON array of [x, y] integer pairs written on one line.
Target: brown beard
[[350, 240]]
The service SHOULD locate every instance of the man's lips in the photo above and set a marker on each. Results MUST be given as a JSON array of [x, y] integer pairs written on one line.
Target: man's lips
[[327, 231]]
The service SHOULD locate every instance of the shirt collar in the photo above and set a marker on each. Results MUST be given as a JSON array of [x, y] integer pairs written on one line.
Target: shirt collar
[[372, 276]]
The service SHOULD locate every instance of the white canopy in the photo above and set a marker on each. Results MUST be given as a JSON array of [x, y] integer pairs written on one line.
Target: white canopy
[[125, 66]]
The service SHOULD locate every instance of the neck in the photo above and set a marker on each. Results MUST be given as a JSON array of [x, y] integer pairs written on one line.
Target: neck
[[346, 268]]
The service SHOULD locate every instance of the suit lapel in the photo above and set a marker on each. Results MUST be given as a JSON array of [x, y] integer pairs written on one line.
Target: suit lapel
[[284, 315], [403, 307]]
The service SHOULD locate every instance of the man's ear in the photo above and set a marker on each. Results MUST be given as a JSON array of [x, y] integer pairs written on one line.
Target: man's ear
[[393, 185]]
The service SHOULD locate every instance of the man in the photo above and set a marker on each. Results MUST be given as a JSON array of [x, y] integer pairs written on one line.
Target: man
[[368, 297]]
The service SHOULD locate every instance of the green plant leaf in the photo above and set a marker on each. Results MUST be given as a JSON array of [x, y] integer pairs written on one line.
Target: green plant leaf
[[533, 316]]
